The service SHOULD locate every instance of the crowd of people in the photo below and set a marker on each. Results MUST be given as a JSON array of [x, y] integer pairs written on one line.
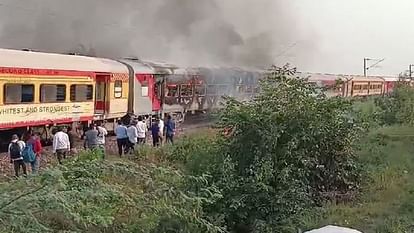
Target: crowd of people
[[129, 136]]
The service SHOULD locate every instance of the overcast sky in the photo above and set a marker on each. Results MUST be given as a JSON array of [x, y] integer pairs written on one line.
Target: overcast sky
[[349, 30], [328, 36]]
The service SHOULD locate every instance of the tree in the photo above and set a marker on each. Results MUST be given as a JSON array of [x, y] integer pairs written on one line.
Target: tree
[[287, 147]]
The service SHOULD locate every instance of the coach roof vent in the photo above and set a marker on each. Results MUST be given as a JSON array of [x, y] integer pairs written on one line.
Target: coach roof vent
[[132, 58], [74, 54], [28, 50]]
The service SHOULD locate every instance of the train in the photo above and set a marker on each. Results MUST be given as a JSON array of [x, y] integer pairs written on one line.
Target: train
[[43, 90]]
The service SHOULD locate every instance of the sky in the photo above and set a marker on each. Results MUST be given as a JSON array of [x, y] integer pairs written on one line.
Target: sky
[[326, 36], [349, 30]]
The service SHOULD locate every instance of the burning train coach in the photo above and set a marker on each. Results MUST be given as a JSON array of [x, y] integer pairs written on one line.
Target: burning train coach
[[41, 90]]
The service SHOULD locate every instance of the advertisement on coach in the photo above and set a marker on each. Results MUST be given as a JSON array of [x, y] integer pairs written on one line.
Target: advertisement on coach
[[43, 114]]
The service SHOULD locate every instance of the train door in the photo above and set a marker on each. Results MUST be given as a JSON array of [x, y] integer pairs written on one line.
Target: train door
[[101, 94]]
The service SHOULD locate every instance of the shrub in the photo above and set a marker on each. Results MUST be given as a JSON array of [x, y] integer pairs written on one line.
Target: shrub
[[91, 195], [398, 107], [279, 153]]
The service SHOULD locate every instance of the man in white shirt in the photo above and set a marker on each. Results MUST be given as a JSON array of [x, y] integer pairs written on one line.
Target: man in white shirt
[[161, 126], [132, 133], [61, 144], [101, 137], [142, 130], [102, 134]]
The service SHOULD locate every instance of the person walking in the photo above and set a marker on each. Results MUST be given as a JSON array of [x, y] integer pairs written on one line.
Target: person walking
[[132, 133], [155, 130], [170, 130], [142, 130], [36, 145], [16, 147], [61, 144], [121, 137], [102, 133], [91, 138]]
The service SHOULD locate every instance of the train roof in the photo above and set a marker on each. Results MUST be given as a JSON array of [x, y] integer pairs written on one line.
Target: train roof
[[39, 60], [161, 67], [323, 77], [138, 66]]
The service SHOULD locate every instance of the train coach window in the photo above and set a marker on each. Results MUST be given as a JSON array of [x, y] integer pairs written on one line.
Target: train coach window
[[240, 88], [186, 90], [52, 93], [79, 93], [172, 91], [200, 90], [118, 89], [18, 93], [144, 89]]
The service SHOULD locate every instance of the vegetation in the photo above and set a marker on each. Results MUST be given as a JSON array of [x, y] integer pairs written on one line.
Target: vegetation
[[89, 195], [398, 108], [385, 202], [291, 158]]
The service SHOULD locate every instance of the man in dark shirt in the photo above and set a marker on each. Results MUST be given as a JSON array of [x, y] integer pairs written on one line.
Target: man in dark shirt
[[72, 137], [91, 138], [155, 130], [170, 130]]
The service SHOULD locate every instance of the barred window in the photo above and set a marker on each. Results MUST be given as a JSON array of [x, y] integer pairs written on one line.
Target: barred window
[[172, 90], [186, 90], [18, 93], [80, 93], [50, 93]]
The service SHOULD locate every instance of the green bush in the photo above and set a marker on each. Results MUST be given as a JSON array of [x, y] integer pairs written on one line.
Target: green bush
[[385, 201], [398, 107], [286, 149], [91, 195]]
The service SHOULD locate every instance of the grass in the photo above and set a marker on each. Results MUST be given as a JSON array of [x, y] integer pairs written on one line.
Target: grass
[[386, 203]]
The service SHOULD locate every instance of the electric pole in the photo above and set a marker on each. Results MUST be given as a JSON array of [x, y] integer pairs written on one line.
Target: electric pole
[[366, 67], [410, 71]]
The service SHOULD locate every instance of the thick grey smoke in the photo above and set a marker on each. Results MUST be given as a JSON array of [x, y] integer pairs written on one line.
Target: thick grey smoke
[[187, 32]]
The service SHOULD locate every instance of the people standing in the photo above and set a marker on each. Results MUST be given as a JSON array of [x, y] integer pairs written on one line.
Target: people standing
[[72, 137], [161, 127], [132, 133], [102, 133], [155, 130], [91, 138], [142, 130], [61, 144], [16, 147], [36, 145], [170, 130], [121, 137]]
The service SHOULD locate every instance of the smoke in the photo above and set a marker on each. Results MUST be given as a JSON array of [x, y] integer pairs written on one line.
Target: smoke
[[186, 32]]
